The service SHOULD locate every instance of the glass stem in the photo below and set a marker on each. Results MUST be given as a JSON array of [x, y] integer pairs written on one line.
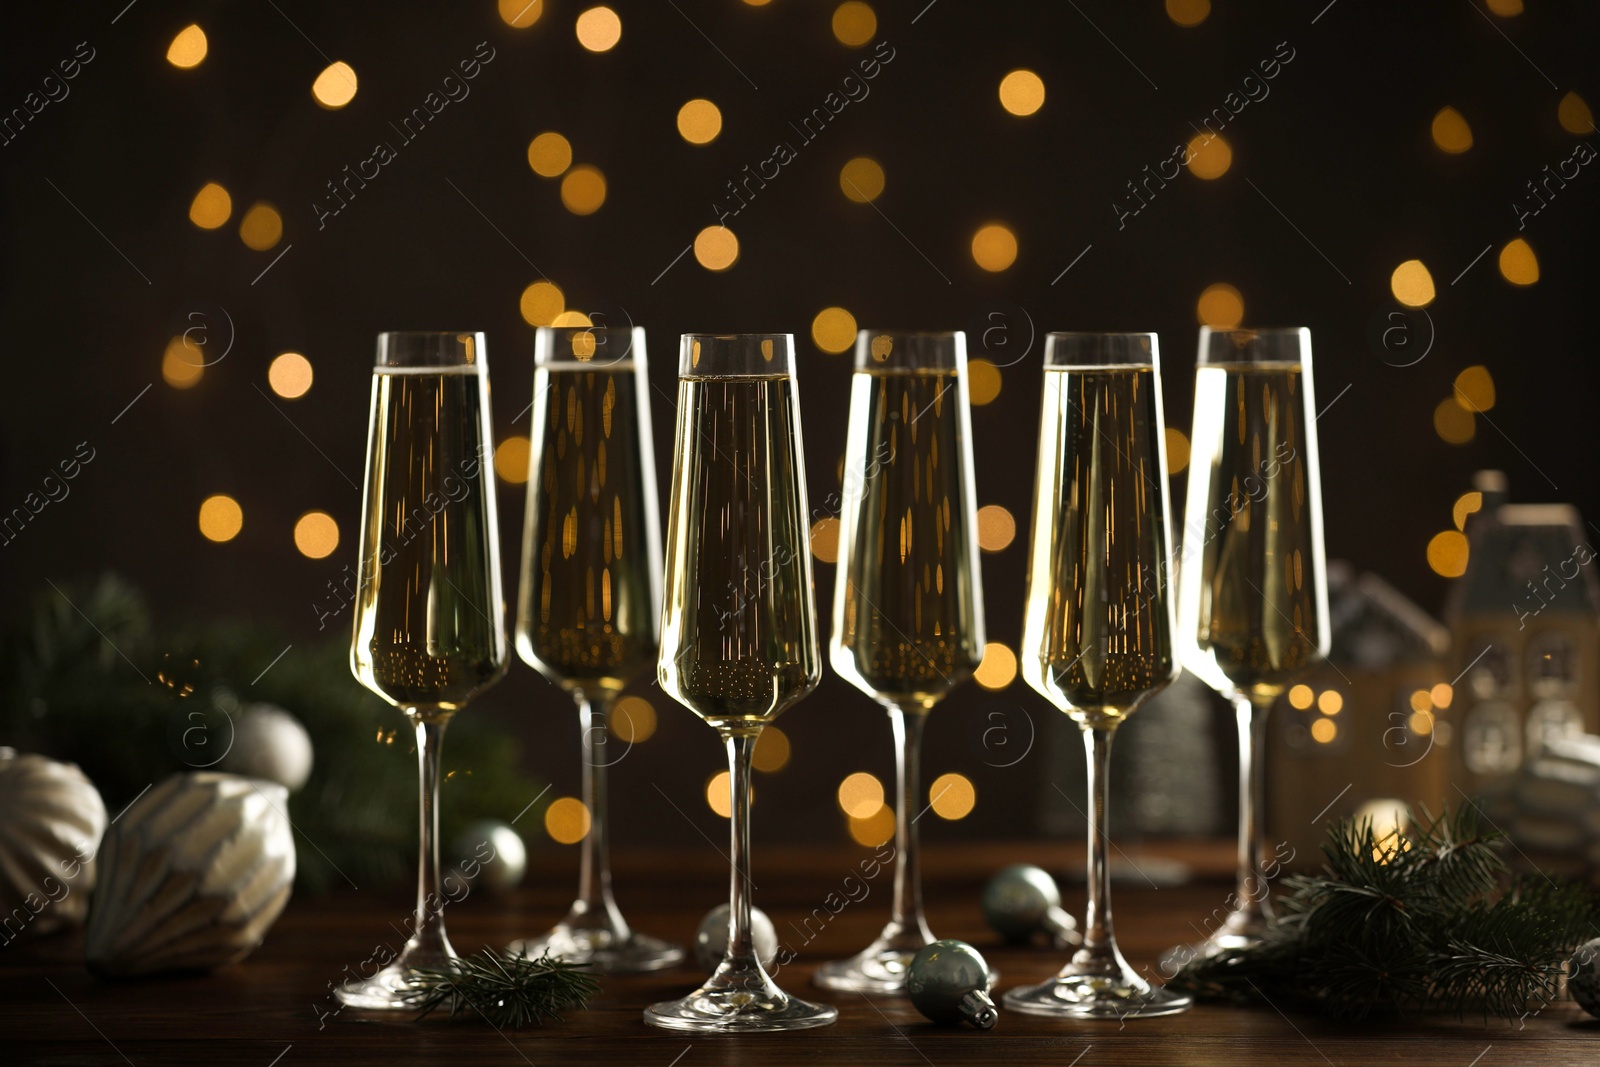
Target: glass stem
[[1250, 895], [1099, 940], [740, 968], [907, 928], [595, 909], [428, 945]]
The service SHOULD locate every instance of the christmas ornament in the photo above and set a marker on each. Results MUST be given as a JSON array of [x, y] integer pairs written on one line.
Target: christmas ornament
[[270, 744], [51, 819], [1021, 900], [192, 874], [711, 939], [949, 983], [1583, 976], [489, 853]]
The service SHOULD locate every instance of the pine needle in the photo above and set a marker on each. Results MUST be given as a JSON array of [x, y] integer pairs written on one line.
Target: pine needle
[[509, 991]]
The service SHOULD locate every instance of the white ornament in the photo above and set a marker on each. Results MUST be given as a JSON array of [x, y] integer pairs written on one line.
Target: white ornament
[[270, 744], [191, 875], [1583, 977], [711, 939], [51, 819]]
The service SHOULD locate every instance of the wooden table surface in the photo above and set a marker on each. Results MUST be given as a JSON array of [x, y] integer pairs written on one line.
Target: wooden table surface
[[273, 1010]]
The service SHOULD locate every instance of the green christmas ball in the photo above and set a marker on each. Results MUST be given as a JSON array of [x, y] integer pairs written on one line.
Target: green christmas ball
[[949, 983], [711, 939], [1583, 977], [487, 854], [1021, 900]]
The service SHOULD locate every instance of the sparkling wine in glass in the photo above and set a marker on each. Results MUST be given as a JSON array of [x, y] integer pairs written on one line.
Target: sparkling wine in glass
[[1252, 596], [590, 600], [1097, 636], [429, 621], [907, 605], [738, 631]]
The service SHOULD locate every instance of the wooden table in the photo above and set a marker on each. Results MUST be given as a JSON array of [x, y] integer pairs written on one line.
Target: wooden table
[[273, 1009]]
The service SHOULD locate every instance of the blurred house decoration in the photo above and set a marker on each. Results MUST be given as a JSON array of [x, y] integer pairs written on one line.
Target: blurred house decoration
[[1551, 809], [1525, 623], [1366, 730]]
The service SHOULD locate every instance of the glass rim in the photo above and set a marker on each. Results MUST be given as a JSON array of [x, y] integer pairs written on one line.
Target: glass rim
[[1134, 349], [737, 355], [1256, 331], [632, 338], [1263, 345], [471, 351]]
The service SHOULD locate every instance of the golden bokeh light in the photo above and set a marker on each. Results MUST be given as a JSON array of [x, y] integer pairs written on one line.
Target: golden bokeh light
[[573, 317], [1441, 695], [583, 190], [825, 539], [182, 364], [854, 23], [771, 754], [1177, 451], [952, 796], [874, 830], [1421, 723], [716, 248], [996, 528], [1324, 730], [1453, 423], [833, 330], [520, 14], [1330, 702], [1505, 8], [541, 302], [511, 458], [1188, 12], [1220, 306], [566, 820], [188, 49], [1518, 264], [1447, 554], [758, 3], [549, 154], [221, 518], [290, 375], [1022, 92], [861, 179], [983, 382], [718, 797], [860, 795], [1302, 697], [1574, 114], [1412, 284], [1450, 131], [994, 247], [1209, 156], [599, 29], [699, 121], [1466, 504], [335, 86], [998, 667], [633, 719], [1475, 389], [261, 227], [316, 535], [211, 206], [1421, 700]]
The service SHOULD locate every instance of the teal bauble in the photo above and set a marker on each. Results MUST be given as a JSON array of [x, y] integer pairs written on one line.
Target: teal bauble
[[1583, 977], [1021, 901], [949, 983]]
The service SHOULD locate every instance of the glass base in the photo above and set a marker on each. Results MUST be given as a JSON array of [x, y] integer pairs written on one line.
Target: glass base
[[738, 1011], [388, 990], [1240, 930], [1087, 996], [602, 950], [879, 969]]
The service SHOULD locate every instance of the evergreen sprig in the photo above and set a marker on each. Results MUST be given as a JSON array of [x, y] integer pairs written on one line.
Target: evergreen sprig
[[1418, 919], [508, 990]]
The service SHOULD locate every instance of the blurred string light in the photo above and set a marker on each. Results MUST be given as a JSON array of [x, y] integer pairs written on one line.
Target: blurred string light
[[860, 795], [549, 154], [1505, 8], [1330, 702], [1177, 450], [1518, 264], [716, 248], [952, 796], [718, 796], [1301, 697], [1450, 131], [758, 3], [316, 535], [996, 528], [1441, 695], [861, 179], [1474, 389], [1324, 730], [511, 459], [1447, 553], [1209, 156], [566, 820], [834, 330], [983, 382], [998, 667], [541, 302], [583, 190], [1574, 114], [1466, 504], [520, 14], [1220, 306], [335, 86], [221, 518], [1188, 12], [825, 539], [182, 365], [854, 23], [599, 29], [633, 719], [290, 375], [573, 317], [211, 206], [699, 121], [874, 830], [994, 247], [1453, 423], [1022, 92], [262, 226], [1411, 284], [771, 753], [188, 49]]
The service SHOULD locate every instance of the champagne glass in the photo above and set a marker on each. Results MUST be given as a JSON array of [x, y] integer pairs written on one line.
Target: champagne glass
[[429, 630], [907, 604], [738, 631], [1097, 636], [590, 599], [1252, 597]]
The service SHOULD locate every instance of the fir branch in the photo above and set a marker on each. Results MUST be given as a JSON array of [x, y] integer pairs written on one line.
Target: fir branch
[[507, 990]]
